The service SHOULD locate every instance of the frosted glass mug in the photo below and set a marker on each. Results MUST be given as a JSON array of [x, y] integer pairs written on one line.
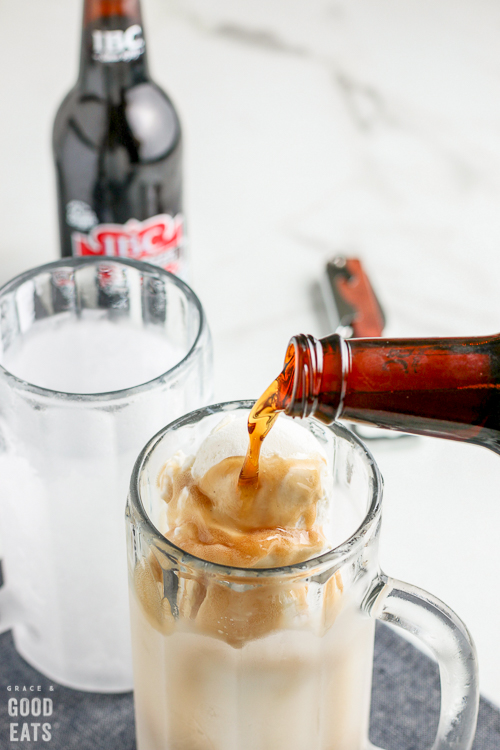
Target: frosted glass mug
[[282, 658], [66, 458]]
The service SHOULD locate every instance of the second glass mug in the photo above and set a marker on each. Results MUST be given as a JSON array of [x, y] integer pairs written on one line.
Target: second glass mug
[[282, 658], [65, 458]]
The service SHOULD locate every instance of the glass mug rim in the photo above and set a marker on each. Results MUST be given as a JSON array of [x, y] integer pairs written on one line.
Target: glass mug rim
[[326, 560], [122, 393]]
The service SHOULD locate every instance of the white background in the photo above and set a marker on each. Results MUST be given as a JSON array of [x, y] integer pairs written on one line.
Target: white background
[[312, 127]]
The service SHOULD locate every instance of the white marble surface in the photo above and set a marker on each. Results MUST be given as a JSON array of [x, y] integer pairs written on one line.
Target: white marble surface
[[315, 126]]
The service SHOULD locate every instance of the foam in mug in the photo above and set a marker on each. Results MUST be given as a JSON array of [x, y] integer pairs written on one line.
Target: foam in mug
[[248, 665]]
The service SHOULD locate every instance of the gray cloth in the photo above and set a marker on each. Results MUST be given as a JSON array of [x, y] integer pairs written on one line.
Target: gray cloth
[[405, 705]]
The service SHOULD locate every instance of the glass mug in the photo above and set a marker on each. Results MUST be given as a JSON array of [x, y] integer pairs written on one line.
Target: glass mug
[[282, 658], [66, 457]]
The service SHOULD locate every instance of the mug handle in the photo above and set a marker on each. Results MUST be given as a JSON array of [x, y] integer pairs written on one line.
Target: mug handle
[[11, 612], [439, 628]]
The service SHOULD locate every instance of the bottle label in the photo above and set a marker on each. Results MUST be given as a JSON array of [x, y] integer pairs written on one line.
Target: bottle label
[[118, 46], [158, 240]]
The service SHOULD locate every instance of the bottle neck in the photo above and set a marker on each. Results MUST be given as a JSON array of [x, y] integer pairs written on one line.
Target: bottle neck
[[305, 356], [441, 387], [113, 49]]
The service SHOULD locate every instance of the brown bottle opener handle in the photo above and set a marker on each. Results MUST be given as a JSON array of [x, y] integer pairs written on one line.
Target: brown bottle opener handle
[[356, 312], [357, 305]]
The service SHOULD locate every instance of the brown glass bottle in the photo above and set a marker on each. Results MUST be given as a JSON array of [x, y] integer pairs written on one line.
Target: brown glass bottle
[[447, 388], [117, 148], [442, 387]]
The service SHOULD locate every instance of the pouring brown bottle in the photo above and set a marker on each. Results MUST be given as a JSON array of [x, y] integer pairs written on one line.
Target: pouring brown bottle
[[446, 388]]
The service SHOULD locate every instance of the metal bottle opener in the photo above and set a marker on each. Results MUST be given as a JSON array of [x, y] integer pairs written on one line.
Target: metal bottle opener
[[352, 304], [354, 310]]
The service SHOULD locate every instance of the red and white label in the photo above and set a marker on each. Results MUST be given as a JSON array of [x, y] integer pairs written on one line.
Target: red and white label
[[158, 240]]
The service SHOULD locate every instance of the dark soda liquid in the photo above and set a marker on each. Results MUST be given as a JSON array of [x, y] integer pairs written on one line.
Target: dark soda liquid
[[263, 415]]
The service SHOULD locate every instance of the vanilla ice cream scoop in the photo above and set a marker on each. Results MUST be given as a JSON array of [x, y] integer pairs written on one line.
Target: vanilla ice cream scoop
[[211, 516], [229, 438]]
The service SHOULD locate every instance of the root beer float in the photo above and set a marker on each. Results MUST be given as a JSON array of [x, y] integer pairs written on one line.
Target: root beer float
[[265, 503], [229, 654]]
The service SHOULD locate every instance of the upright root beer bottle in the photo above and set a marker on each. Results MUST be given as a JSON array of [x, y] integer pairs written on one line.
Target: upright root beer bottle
[[117, 148], [446, 388]]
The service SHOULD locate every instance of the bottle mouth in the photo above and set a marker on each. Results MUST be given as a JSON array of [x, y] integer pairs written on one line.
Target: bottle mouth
[[306, 354]]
